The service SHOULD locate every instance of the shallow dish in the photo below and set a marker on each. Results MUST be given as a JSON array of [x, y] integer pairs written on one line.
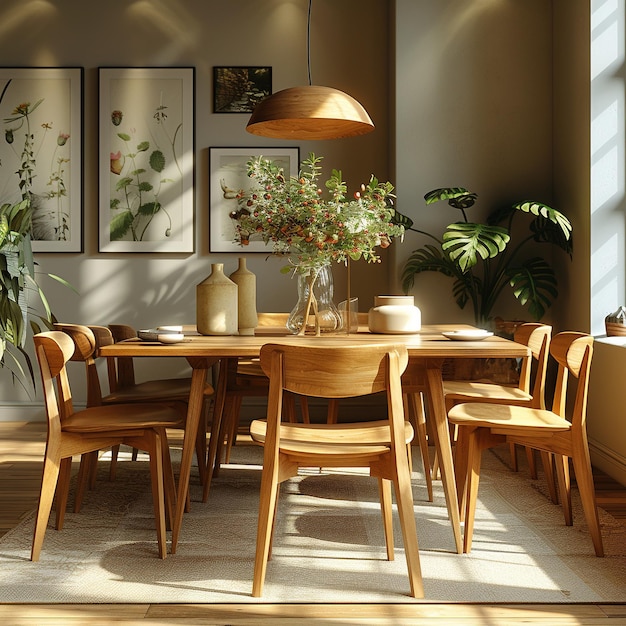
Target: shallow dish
[[160, 335], [468, 335]]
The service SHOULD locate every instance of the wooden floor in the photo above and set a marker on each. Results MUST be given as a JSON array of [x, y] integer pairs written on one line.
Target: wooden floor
[[21, 451]]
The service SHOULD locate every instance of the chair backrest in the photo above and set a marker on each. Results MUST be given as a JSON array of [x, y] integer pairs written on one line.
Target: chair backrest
[[572, 351], [85, 347], [54, 349], [537, 337], [334, 372], [121, 370]]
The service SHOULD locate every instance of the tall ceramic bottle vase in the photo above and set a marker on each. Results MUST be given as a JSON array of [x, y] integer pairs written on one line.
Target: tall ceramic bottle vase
[[246, 299], [216, 304]]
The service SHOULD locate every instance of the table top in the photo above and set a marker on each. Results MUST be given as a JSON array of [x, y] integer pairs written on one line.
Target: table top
[[429, 342]]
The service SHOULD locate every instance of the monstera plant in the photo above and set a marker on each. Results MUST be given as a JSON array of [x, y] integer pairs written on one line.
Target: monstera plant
[[485, 259]]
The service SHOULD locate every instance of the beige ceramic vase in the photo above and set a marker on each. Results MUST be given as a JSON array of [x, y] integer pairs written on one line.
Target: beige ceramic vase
[[216, 304], [246, 298]]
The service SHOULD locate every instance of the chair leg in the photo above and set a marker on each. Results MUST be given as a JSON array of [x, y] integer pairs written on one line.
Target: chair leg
[[418, 416], [565, 488], [63, 489], [584, 480], [228, 432], [532, 465], [332, 417], [474, 454], [304, 410], [514, 464], [460, 467], [384, 491], [49, 481], [404, 500], [548, 469], [115, 450], [153, 441], [267, 510], [86, 474], [169, 482], [201, 450]]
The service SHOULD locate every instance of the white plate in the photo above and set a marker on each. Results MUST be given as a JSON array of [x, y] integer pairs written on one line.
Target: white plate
[[468, 335], [160, 335]]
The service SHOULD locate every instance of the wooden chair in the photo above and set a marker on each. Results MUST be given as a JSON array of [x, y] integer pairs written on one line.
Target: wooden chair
[[484, 425], [243, 378], [72, 433], [537, 337], [336, 372], [124, 388], [87, 340]]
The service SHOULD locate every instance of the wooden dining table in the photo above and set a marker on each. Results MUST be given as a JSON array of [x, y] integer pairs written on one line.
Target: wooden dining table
[[428, 350]]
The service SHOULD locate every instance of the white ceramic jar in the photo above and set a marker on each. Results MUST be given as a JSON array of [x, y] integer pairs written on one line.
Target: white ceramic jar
[[394, 315]]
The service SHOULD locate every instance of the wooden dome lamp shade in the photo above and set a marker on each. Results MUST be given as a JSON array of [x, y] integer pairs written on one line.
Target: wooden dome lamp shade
[[310, 111]]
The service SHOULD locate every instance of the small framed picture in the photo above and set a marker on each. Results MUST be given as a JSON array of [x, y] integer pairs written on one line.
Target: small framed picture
[[227, 178], [41, 109], [238, 89], [146, 159]]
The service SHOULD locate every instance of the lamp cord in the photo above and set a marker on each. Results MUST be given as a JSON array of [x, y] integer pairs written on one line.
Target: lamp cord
[[308, 42]]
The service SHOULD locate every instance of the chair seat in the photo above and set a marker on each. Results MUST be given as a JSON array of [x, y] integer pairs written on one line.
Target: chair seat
[[105, 418], [341, 440], [171, 389], [463, 390], [250, 367], [506, 417]]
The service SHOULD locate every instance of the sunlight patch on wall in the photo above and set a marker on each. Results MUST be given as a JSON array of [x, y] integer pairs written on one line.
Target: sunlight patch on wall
[[608, 205]]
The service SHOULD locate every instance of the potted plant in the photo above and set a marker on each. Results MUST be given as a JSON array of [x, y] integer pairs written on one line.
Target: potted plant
[[484, 260], [18, 282]]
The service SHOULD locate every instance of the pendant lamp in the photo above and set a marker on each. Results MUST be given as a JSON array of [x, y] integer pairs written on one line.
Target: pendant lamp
[[310, 111]]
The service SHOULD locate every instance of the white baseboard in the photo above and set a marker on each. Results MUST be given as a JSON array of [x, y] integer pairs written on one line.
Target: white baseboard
[[609, 461]]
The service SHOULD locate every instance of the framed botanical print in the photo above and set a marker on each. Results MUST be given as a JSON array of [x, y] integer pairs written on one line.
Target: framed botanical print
[[227, 177], [41, 111], [146, 159]]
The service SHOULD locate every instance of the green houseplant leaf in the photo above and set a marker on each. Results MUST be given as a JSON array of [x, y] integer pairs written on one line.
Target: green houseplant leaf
[[534, 284], [465, 242]]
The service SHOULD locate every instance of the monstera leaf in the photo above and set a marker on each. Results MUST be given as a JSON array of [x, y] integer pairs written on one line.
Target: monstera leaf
[[465, 242], [458, 197], [549, 226], [534, 284], [426, 259]]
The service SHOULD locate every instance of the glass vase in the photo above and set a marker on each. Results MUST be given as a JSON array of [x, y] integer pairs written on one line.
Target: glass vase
[[315, 312]]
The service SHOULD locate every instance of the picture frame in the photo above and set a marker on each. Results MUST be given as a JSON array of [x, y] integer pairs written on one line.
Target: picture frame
[[228, 176], [238, 89], [41, 111], [146, 159]]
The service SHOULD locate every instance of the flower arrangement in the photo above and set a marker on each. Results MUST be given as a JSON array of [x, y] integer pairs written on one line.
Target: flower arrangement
[[292, 215]]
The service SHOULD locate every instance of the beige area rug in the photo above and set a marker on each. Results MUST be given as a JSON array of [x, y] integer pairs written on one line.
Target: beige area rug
[[329, 545]]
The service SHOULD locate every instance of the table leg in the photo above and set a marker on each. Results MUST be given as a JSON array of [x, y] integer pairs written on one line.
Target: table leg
[[194, 412], [216, 423], [444, 447]]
